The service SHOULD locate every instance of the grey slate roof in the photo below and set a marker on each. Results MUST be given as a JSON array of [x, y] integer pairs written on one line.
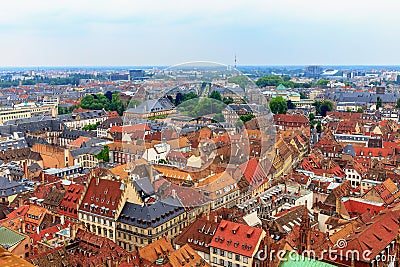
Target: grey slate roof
[[94, 150], [363, 97], [152, 215], [144, 187], [82, 115], [33, 126], [152, 105], [349, 149], [9, 188]]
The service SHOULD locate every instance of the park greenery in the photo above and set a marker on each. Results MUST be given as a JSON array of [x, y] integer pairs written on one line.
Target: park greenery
[[278, 105], [322, 107], [91, 127], [273, 80], [72, 79], [100, 101], [199, 107], [246, 118], [158, 117], [398, 103]]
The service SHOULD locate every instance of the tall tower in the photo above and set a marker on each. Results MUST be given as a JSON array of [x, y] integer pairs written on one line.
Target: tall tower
[[235, 69], [305, 231]]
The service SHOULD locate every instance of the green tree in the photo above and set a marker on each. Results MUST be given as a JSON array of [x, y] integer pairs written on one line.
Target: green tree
[[246, 118], [278, 105], [116, 104], [104, 154], [323, 107], [398, 100], [303, 96], [162, 161], [311, 116], [216, 95], [378, 102], [91, 127], [359, 110], [228, 100], [326, 106], [270, 80], [322, 82], [219, 117]]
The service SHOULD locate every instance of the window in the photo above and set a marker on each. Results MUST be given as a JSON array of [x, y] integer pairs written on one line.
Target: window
[[237, 257], [229, 255], [245, 260]]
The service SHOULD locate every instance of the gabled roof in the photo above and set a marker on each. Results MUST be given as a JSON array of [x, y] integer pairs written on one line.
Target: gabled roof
[[102, 197], [156, 250], [69, 203], [237, 238], [198, 235]]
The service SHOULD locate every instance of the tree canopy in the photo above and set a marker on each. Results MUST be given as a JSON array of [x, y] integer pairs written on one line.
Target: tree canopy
[[323, 107], [216, 95], [278, 105], [378, 102], [100, 101]]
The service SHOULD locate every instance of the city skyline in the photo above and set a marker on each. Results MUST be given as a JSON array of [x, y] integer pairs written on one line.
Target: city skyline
[[124, 33]]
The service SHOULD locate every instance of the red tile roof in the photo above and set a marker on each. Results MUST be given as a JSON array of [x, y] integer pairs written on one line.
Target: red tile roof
[[374, 236], [130, 128], [373, 151], [198, 235], [69, 204], [102, 197], [356, 207], [237, 238], [253, 172], [101, 249]]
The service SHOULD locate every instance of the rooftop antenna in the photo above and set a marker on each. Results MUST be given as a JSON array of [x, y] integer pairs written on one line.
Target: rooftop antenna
[[235, 69]]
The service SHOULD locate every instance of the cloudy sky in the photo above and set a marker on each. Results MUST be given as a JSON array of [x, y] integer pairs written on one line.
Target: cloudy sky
[[167, 32]]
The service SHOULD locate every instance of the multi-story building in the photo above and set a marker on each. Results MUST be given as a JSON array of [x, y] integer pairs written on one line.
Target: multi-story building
[[77, 121], [151, 108], [27, 111], [101, 202], [140, 225], [235, 244]]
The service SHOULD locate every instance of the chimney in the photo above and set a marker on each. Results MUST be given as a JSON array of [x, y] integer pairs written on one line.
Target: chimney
[[42, 177], [62, 220], [37, 229], [25, 166], [216, 218], [173, 193], [20, 201]]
